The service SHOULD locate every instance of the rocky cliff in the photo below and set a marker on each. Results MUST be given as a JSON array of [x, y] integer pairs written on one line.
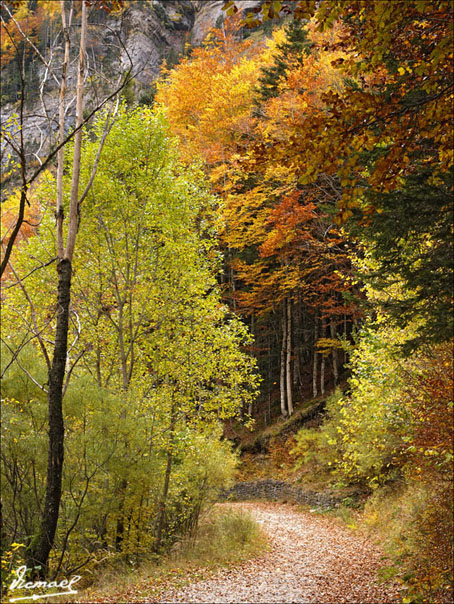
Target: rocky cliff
[[144, 34]]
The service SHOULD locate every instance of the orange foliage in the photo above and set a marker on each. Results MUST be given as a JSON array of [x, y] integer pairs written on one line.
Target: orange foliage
[[10, 209], [278, 240], [9, 217], [398, 64], [431, 398], [208, 97], [302, 91], [29, 21]]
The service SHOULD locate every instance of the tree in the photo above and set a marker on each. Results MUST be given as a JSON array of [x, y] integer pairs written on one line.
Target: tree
[[412, 243], [24, 161], [293, 48], [40, 550], [147, 334], [383, 135], [208, 122], [282, 251], [390, 434], [14, 136]]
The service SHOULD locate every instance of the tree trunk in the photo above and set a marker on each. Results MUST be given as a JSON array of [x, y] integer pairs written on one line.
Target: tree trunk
[[120, 528], [270, 378], [74, 209], [345, 337], [314, 369], [322, 375], [40, 549], [322, 367], [120, 531], [232, 280], [39, 553], [61, 129], [162, 504], [282, 376], [139, 524], [165, 491], [297, 350], [335, 367], [254, 340], [289, 358]]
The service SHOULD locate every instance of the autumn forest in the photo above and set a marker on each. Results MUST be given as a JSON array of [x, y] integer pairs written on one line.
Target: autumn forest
[[227, 277]]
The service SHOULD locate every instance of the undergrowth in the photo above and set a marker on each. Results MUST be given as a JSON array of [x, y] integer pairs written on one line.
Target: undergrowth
[[414, 525], [225, 536]]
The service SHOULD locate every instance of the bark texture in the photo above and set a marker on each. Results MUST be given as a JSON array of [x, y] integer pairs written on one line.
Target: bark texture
[[315, 360], [160, 521], [40, 552]]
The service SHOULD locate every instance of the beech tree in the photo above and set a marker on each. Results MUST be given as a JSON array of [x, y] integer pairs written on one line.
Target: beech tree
[[285, 257], [383, 135]]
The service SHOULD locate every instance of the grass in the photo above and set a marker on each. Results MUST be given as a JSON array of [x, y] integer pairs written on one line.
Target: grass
[[226, 536]]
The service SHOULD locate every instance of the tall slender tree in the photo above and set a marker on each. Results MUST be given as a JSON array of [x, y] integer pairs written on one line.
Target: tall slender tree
[[38, 552]]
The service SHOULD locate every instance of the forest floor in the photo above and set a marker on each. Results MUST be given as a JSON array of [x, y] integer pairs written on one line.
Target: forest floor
[[311, 559]]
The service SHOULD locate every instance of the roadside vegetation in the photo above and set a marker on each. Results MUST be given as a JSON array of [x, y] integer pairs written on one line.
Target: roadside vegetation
[[225, 537]]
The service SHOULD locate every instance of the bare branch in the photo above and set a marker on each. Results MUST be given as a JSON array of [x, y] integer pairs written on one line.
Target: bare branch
[[33, 313], [68, 374], [78, 330], [41, 142], [61, 134], [16, 352], [30, 273], [25, 370], [12, 239], [73, 132], [9, 141], [73, 220], [110, 119], [45, 163]]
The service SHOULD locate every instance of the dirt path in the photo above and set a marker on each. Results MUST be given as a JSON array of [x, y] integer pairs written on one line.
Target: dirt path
[[312, 560]]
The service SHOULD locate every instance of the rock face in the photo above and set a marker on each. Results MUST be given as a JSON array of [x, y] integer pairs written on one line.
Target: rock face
[[140, 38], [209, 13], [144, 33], [153, 31]]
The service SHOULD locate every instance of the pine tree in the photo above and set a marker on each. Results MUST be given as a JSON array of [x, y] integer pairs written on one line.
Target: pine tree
[[296, 47]]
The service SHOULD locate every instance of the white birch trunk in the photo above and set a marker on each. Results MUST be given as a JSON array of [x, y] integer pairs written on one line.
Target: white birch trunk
[[322, 375], [282, 376], [322, 367], [289, 358], [66, 23], [314, 368], [345, 336], [73, 223], [335, 367], [253, 335]]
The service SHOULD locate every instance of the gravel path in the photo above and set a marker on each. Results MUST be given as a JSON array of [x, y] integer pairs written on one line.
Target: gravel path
[[312, 560]]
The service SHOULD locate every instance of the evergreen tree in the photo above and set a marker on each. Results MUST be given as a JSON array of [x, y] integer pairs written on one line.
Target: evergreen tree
[[411, 240], [296, 46]]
